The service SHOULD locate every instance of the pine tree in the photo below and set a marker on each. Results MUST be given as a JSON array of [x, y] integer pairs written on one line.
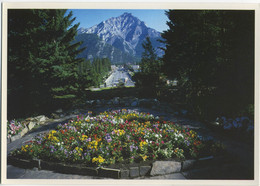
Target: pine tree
[[206, 51], [44, 61], [150, 75]]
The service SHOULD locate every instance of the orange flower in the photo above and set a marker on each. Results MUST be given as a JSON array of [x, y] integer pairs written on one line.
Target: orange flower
[[197, 143]]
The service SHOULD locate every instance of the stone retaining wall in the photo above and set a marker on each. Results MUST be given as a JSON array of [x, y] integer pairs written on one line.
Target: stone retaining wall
[[135, 102], [155, 169]]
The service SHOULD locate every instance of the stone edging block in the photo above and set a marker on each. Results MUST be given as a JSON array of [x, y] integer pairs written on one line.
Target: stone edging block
[[165, 167]]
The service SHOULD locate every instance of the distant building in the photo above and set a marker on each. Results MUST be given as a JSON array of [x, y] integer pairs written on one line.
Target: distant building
[[113, 67], [136, 68]]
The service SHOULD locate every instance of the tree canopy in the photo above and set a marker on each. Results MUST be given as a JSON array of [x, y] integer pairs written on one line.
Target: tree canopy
[[211, 54], [42, 62]]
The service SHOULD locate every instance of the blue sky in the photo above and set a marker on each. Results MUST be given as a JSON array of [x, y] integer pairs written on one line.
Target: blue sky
[[89, 17]]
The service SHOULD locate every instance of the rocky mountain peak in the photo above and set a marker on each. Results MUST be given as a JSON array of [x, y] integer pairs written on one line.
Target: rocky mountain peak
[[125, 32]]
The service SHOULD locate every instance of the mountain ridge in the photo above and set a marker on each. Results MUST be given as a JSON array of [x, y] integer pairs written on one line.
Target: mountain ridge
[[126, 33]]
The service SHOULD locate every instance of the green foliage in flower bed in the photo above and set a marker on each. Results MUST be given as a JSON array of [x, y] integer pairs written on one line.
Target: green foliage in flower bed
[[123, 136]]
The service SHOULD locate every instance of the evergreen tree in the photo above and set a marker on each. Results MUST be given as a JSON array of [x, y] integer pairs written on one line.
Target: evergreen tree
[[150, 74], [42, 63], [210, 53], [149, 62]]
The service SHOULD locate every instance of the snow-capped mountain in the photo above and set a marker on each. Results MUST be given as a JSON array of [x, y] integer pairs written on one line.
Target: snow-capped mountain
[[126, 33]]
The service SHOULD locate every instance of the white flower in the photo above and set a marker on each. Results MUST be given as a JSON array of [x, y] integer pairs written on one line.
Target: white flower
[[58, 144]]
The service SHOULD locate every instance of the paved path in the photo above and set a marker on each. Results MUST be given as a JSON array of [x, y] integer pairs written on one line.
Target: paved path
[[222, 171]]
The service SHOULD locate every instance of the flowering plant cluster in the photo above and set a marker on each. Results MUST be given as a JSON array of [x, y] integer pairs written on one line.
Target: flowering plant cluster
[[243, 123], [118, 136], [13, 128]]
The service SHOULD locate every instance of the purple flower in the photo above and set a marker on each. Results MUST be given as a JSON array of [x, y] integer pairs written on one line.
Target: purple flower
[[108, 138], [89, 139], [187, 142], [132, 147]]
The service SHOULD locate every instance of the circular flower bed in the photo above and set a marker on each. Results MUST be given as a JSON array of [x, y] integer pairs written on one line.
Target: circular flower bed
[[117, 136]]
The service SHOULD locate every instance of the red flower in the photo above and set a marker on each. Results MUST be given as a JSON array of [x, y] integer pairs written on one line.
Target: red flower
[[162, 142], [157, 144]]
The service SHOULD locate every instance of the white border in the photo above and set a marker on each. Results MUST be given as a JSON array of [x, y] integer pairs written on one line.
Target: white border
[[128, 5]]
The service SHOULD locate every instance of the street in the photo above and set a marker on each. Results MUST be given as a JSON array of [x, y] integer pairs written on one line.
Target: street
[[119, 75]]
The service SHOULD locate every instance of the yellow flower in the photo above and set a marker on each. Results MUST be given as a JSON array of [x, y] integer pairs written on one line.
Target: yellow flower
[[24, 148], [142, 143], [144, 157], [78, 149], [84, 137], [94, 160], [99, 159]]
